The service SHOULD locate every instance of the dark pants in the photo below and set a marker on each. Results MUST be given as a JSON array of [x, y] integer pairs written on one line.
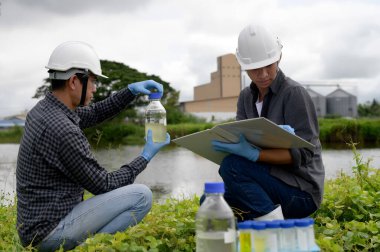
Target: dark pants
[[252, 192]]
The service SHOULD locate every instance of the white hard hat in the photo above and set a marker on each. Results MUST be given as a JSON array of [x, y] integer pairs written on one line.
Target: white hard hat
[[257, 47], [73, 57]]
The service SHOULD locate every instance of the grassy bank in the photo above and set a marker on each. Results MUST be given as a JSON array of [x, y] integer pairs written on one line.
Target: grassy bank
[[348, 220], [333, 132], [12, 135]]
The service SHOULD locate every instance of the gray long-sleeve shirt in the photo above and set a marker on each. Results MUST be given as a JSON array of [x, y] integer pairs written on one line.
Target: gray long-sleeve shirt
[[55, 163], [287, 102]]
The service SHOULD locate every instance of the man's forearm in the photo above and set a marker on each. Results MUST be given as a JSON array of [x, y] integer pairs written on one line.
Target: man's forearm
[[275, 156]]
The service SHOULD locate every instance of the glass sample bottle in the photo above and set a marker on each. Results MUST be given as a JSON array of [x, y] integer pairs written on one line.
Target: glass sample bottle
[[155, 118]]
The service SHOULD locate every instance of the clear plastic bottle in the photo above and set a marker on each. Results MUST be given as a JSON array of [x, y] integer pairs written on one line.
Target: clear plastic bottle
[[155, 118], [245, 236], [215, 222], [288, 241], [273, 240], [260, 237], [311, 236], [302, 234]]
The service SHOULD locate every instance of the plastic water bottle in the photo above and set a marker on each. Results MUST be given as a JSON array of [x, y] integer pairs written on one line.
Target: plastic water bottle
[[215, 222], [288, 241], [260, 237], [311, 236], [245, 236], [273, 234], [302, 226], [155, 118]]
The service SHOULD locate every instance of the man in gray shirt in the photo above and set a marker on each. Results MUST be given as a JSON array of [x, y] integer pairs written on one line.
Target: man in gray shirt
[[55, 163], [271, 184]]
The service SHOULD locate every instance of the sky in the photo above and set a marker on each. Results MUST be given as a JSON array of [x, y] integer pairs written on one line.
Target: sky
[[325, 42]]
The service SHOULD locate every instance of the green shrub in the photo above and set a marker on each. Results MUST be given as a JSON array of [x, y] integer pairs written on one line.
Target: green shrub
[[11, 135], [178, 130], [349, 218], [365, 132]]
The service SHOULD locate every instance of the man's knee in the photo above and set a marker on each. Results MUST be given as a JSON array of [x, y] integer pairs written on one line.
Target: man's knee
[[231, 166], [146, 194], [141, 193]]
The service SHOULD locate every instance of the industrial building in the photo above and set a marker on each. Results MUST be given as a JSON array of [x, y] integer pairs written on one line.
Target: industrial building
[[217, 99], [341, 103]]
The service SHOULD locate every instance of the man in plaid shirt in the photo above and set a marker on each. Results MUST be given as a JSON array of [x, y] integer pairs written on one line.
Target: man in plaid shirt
[[55, 163]]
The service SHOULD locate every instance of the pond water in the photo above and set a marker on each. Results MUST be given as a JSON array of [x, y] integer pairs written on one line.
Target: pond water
[[175, 171]]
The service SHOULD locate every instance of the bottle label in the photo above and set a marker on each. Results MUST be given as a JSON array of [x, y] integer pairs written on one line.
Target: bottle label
[[229, 236]]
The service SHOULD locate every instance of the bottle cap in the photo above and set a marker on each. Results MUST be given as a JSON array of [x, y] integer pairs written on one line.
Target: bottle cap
[[311, 221], [214, 187], [244, 225], [287, 223], [302, 222], [258, 225], [155, 96], [273, 224]]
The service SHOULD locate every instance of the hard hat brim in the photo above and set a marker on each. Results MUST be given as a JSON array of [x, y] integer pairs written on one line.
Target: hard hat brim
[[259, 64]]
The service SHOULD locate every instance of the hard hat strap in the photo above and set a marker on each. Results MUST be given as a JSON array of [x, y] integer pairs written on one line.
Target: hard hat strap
[[84, 80]]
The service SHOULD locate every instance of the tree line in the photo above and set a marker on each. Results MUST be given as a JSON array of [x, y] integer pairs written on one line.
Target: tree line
[[120, 75]]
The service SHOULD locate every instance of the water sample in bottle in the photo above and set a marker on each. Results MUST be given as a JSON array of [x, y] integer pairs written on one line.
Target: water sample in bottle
[[215, 222], [259, 234], [288, 240], [245, 236], [155, 118], [273, 235], [302, 234]]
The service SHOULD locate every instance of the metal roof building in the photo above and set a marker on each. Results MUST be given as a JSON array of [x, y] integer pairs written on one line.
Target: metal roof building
[[319, 102], [340, 102]]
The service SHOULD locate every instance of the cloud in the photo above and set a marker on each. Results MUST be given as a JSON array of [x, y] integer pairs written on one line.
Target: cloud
[[355, 54], [74, 7], [326, 41], [23, 12]]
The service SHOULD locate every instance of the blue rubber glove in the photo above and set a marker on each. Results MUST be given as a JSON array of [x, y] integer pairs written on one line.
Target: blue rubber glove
[[151, 148], [143, 87], [242, 148], [288, 128]]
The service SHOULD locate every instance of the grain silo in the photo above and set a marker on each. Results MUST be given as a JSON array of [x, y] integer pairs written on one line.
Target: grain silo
[[342, 103], [319, 102]]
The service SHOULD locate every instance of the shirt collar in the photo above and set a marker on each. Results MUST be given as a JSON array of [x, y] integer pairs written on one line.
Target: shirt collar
[[276, 85], [69, 113]]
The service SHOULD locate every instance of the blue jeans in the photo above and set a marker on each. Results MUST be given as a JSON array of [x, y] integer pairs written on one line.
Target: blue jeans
[[105, 213], [253, 192]]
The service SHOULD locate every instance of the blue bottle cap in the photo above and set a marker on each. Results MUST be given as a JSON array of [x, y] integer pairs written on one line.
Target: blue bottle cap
[[273, 224], [258, 225], [155, 96], [311, 221], [214, 187], [287, 223], [244, 225], [302, 222]]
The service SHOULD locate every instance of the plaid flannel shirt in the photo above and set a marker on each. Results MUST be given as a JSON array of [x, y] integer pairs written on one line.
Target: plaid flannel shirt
[[55, 163]]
